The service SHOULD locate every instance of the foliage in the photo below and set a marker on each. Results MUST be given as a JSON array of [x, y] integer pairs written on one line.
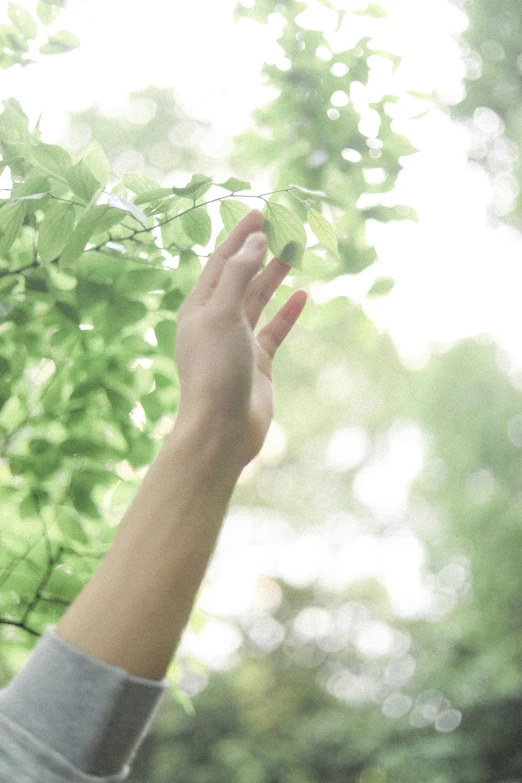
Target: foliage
[[301, 137], [15, 37], [491, 107]]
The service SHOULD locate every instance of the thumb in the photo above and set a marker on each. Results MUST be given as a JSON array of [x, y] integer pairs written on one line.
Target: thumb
[[239, 271]]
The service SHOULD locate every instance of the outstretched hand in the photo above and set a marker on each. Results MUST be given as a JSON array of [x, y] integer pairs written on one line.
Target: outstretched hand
[[225, 371]]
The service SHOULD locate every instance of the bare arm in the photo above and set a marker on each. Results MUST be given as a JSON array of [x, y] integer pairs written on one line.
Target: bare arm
[[133, 611]]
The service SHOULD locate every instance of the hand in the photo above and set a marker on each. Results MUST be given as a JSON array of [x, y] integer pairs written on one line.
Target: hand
[[225, 372]]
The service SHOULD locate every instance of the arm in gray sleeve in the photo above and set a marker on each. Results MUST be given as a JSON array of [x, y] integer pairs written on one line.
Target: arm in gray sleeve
[[68, 713]]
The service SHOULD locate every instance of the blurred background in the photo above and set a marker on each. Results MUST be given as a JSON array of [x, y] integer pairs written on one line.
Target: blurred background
[[361, 619]]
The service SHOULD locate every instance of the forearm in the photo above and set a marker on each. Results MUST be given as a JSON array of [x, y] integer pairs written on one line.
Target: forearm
[[134, 609]]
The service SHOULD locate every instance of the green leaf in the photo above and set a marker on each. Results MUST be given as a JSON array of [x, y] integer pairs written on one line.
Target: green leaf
[[387, 214], [153, 195], [6, 60], [132, 346], [96, 161], [68, 312], [23, 20], [70, 526], [257, 12], [55, 230], [27, 508], [119, 402], [425, 96], [14, 124], [12, 38], [89, 294], [52, 158], [61, 42], [82, 182], [25, 198], [285, 234], [11, 219], [82, 501], [139, 183], [171, 301], [188, 271], [64, 585], [47, 12], [327, 4], [81, 234], [118, 202], [47, 463], [381, 286], [197, 225], [13, 413], [152, 406], [81, 447], [6, 286], [403, 146], [233, 184], [396, 60], [307, 190], [197, 187], [141, 281], [35, 282], [34, 184], [341, 17], [232, 211], [111, 218], [373, 10], [18, 465], [141, 451], [323, 230], [292, 254], [121, 312], [59, 280], [180, 695], [101, 268], [23, 580], [421, 115], [165, 333]]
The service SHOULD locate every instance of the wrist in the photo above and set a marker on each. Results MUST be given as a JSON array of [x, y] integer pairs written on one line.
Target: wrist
[[215, 444]]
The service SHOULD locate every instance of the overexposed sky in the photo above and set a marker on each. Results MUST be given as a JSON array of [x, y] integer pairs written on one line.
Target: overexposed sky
[[455, 276]]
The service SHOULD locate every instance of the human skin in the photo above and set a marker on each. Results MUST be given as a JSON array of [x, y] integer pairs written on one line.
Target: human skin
[[134, 609]]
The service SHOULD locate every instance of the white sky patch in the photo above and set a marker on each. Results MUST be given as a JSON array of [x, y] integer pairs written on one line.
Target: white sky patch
[[384, 484]]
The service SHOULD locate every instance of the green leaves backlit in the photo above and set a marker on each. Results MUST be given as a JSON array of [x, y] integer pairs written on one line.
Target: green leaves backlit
[[61, 42], [55, 230], [285, 234], [323, 230]]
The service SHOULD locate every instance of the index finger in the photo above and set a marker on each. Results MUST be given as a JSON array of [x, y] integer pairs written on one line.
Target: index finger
[[212, 270]]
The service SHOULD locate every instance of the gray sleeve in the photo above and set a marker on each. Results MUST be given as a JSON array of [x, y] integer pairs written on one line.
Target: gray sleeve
[[79, 710]]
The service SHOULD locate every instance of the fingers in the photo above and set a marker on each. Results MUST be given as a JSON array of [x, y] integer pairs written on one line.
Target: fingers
[[238, 272], [271, 337], [211, 274], [262, 288]]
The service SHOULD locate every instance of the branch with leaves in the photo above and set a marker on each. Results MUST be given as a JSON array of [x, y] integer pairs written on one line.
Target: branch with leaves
[[91, 278]]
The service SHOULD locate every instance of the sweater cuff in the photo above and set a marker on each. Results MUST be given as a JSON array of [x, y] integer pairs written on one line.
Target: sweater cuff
[[93, 713]]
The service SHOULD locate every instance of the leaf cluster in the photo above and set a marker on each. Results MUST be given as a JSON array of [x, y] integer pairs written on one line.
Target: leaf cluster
[[15, 37], [92, 273]]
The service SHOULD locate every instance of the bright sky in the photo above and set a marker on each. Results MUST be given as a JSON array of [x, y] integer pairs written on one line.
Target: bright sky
[[455, 276]]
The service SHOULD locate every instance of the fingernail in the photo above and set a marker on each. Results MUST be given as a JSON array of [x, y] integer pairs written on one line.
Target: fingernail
[[256, 241]]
